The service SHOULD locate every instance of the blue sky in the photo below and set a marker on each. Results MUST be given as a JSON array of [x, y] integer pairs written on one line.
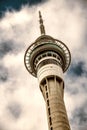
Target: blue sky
[[21, 103], [16, 4]]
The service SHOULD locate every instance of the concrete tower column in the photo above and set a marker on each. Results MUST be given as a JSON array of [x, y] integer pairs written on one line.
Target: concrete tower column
[[51, 84], [52, 90]]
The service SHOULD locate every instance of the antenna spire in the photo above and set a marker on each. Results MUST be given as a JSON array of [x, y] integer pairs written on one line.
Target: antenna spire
[[42, 28]]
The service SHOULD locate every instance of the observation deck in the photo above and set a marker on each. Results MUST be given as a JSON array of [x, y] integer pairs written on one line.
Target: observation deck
[[46, 48]]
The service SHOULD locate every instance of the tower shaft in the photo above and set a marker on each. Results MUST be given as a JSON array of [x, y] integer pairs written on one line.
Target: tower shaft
[[53, 90], [51, 84]]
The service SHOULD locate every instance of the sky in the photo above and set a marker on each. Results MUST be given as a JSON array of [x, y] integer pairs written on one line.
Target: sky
[[22, 106]]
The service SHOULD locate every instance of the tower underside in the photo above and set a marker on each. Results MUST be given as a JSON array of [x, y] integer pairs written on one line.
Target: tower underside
[[53, 90]]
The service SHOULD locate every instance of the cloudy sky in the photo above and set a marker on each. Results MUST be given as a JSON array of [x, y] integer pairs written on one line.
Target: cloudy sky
[[22, 106]]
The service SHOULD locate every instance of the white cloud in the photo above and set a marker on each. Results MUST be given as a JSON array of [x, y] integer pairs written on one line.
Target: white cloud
[[23, 28]]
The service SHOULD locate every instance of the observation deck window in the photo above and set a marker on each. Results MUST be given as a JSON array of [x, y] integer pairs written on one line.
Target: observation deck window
[[43, 55], [39, 57], [49, 54], [48, 61], [54, 55], [58, 57], [36, 61]]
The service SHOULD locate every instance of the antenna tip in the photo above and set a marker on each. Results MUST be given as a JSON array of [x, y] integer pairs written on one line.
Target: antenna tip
[[42, 28]]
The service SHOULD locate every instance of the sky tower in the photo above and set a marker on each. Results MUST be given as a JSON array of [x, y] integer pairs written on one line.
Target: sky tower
[[47, 59]]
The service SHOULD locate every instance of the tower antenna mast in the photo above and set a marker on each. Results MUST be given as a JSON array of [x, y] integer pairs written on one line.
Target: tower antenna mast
[[42, 28]]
